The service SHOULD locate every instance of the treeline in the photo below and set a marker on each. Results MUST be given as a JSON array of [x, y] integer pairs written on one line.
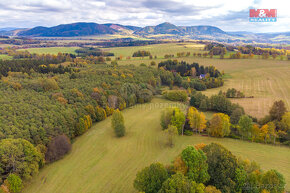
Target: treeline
[[217, 103], [190, 75], [185, 69], [92, 52], [234, 93], [208, 169], [32, 65], [273, 128], [141, 53]]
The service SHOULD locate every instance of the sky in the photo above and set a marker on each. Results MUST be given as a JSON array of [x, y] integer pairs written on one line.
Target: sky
[[229, 15]]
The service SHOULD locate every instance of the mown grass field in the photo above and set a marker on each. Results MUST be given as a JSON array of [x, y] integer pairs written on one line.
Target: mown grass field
[[266, 80], [100, 162], [5, 57], [51, 50]]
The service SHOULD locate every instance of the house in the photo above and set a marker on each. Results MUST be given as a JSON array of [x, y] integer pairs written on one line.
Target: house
[[201, 76]]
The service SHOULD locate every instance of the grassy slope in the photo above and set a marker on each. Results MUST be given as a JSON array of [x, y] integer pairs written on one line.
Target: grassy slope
[[51, 50], [99, 162], [266, 80]]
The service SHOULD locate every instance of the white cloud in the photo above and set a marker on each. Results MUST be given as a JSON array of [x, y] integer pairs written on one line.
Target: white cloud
[[226, 14]]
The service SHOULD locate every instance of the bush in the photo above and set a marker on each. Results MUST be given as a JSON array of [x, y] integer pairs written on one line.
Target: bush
[[176, 95], [57, 148]]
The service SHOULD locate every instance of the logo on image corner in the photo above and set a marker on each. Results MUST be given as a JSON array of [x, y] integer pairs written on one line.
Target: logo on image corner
[[263, 15]]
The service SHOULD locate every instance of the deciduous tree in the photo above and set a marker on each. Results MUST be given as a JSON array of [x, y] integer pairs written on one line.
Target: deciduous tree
[[151, 178], [197, 167], [118, 123]]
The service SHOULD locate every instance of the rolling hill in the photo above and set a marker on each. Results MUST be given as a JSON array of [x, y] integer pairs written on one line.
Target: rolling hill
[[162, 31]]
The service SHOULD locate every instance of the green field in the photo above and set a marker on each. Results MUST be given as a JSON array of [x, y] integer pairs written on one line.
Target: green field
[[5, 57], [51, 50], [266, 80], [100, 162]]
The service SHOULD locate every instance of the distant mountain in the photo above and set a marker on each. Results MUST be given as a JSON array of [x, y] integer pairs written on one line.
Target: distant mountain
[[202, 30], [164, 31], [8, 28], [69, 30], [168, 28]]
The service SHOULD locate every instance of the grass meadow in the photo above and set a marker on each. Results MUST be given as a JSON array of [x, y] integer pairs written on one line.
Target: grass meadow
[[266, 80], [100, 162], [51, 50]]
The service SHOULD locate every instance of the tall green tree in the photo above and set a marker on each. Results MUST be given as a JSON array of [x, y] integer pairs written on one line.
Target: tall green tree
[[151, 178], [171, 132], [178, 183], [197, 166], [118, 123], [222, 166], [245, 125], [178, 119]]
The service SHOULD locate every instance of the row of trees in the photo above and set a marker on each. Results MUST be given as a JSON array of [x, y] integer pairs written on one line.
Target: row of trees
[[185, 69], [217, 103], [208, 169], [141, 53]]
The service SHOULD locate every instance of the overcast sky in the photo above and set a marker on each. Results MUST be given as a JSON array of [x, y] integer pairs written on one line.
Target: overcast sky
[[229, 15]]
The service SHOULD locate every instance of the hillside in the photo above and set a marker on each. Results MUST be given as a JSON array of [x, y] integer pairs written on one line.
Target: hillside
[[161, 31], [100, 162], [69, 30]]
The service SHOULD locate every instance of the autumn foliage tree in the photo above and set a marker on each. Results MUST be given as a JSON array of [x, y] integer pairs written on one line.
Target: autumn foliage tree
[[196, 120], [57, 148], [219, 125], [278, 110]]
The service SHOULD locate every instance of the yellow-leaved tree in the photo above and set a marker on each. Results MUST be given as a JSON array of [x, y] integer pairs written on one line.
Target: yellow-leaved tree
[[196, 120]]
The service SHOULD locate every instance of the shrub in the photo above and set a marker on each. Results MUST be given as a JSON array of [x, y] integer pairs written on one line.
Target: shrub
[[57, 148]]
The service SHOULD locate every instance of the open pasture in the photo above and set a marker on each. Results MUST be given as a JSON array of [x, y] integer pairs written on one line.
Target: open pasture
[[265, 80], [100, 162]]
